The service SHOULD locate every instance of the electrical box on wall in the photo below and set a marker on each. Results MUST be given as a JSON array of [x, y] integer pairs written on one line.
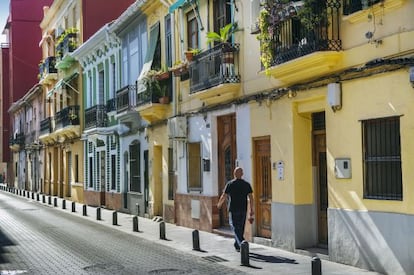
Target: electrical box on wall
[[343, 168]]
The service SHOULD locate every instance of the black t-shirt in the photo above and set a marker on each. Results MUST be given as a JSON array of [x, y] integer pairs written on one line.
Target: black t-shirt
[[238, 189]]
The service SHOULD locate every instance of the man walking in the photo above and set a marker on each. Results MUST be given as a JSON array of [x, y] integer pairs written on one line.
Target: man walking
[[238, 191]]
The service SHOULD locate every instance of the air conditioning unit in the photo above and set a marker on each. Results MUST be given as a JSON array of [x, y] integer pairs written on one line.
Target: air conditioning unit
[[177, 127]]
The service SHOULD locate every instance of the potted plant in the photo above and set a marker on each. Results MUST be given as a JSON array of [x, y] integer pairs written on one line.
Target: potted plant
[[163, 94], [191, 52], [179, 68], [223, 38], [162, 73]]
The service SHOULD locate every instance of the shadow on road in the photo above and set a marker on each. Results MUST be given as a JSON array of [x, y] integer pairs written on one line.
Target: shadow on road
[[271, 259], [4, 241]]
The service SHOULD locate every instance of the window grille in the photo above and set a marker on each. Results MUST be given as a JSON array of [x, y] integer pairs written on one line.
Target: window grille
[[382, 159]]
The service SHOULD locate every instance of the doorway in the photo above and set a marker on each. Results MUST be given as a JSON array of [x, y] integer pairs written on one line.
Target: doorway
[[226, 142], [263, 186], [319, 162]]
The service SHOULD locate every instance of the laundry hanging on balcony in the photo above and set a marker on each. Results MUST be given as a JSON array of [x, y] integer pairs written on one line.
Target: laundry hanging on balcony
[[154, 35]]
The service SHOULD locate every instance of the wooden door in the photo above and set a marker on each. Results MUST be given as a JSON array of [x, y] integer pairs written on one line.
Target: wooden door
[[263, 186], [226, 156], [101, 175], [322, 186]]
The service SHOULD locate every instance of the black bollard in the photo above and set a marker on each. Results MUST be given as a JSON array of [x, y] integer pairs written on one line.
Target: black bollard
[[98, 214], [73, 206], [196, 240], [162, 231], [63, 204], [84, 210], [44, 199], [37, 197], [244, 253], [28, 194], [55, 202], [316, 266], [135, 224], [49, 200], [32, 196], [115, 218]]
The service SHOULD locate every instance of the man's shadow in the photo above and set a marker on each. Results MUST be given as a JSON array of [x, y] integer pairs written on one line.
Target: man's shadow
[[269, 259]]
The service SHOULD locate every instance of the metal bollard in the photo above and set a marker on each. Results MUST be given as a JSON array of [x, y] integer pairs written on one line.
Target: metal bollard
[[44, 199], [49, 200], [162, 231], [244, 253], [196, 240], [84, 210], [28, 194], [63, 204], [115, 218], [37, 197], [32, 196], [55, 202], [98, 214], [316, 266], [73, 206], [135, 224]]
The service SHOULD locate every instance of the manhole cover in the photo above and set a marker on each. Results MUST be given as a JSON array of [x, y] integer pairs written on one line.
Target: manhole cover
[[168, 271], [214, 259], [103, 267]]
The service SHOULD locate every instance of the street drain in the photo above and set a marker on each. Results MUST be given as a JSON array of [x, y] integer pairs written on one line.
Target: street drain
[[168, 271], [104, 267], [214, 259]]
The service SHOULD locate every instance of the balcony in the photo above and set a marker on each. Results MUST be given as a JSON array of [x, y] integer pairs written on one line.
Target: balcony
[[126, 99], [356, 11], [16, 143], [47, 70], [214, 74], [95, 117], [304, 48], [67, 123], [67, 45], [153, 101]]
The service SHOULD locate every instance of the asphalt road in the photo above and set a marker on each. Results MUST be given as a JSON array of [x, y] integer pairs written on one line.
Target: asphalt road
[[38, 239]]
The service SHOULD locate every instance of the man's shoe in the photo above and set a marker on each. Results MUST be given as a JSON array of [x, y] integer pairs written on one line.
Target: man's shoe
[[237, 247]]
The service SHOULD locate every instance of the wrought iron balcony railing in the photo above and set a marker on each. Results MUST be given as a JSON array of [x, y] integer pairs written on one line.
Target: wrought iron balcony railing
[[218, 65], [67, 116], [111, 105], [351, 6], [17, 140], [47, 67], [46, 126], [126, 98], [68, 45], [303, 34], [96, 117], [155, 90]]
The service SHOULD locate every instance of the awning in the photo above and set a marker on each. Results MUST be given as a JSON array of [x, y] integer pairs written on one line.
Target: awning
[[154, 34], [65, 81], [178, 4]]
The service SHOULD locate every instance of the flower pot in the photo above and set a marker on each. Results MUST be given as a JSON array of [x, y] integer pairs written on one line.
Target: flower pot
[[162, 76], [164, 100], [189, 56]]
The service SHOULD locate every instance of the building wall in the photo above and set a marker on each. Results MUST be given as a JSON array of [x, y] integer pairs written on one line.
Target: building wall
[[5, 93]]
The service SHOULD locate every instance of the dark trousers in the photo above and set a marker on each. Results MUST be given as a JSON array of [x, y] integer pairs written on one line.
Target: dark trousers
[[237, 221]]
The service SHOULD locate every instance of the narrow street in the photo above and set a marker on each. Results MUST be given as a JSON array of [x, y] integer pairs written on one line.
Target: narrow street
[[38, 239]]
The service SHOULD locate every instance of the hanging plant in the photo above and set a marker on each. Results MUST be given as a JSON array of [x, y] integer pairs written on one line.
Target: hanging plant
[[265, 37]]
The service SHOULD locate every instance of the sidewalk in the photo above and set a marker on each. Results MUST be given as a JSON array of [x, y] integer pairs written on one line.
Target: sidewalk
[[214, 248]]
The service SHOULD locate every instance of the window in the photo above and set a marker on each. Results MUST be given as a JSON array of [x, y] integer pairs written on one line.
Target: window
[[168, 41], [134, 167], [192, 31], [194, 166], [113, 172], [101, 80], [382, 158], [76, 168], [222, 14], [90, 172], [170, 174]]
